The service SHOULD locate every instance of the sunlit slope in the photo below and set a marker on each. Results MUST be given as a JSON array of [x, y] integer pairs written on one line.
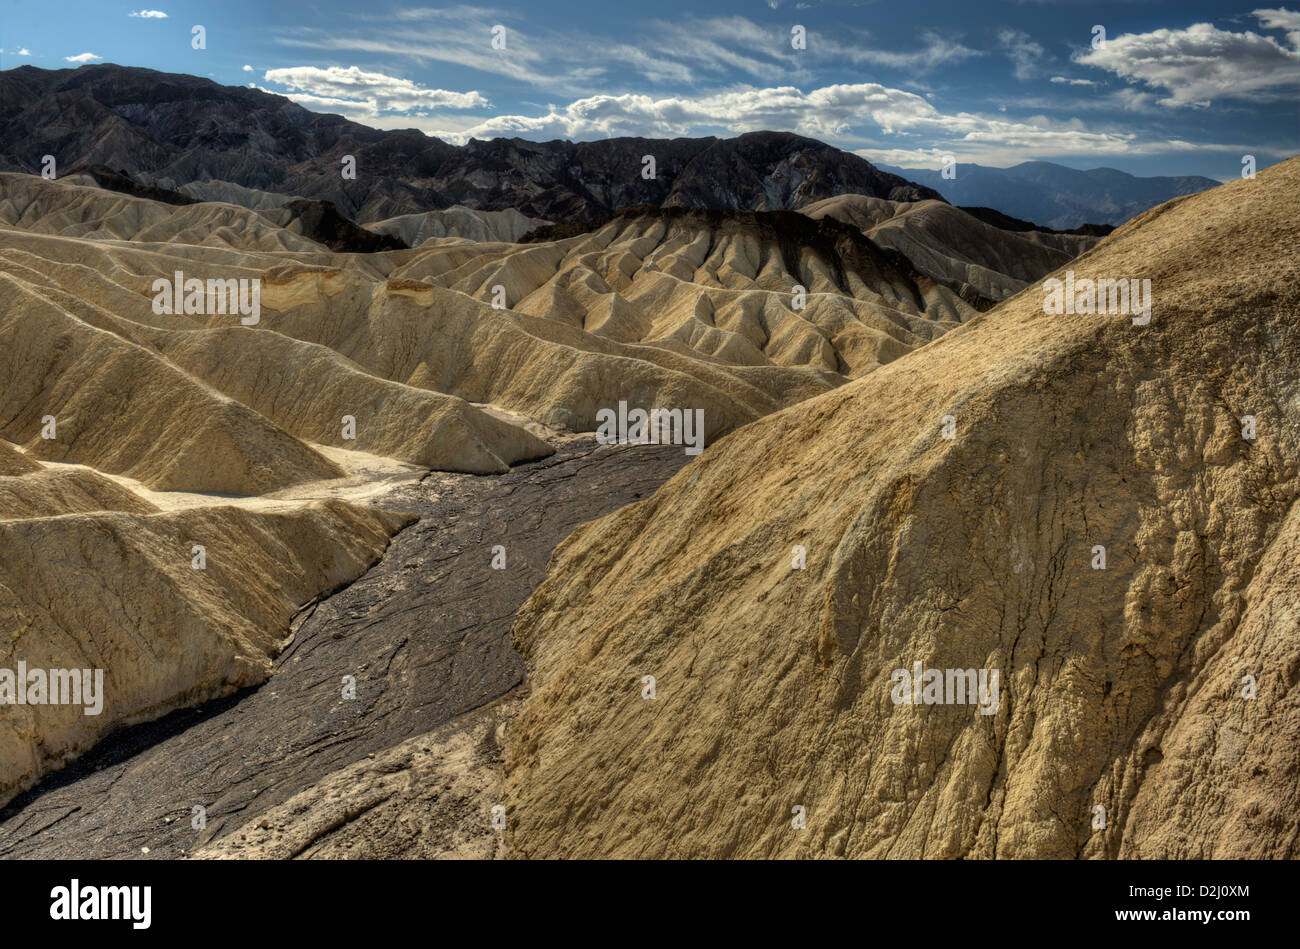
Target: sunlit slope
[[948, 244], [735, 313], [1120, 688], [70, 391], [76, 207], [457, 222], [119, 593]]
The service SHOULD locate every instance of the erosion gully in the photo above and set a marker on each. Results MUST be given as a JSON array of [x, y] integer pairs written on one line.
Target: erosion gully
[[425, 631]]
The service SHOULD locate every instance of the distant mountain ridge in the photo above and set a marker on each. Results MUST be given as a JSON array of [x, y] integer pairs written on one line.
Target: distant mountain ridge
[[1054, 195], [1008, 223], [170, 130]]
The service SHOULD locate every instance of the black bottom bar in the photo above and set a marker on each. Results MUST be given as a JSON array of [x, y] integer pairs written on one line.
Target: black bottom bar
[[634, 900]]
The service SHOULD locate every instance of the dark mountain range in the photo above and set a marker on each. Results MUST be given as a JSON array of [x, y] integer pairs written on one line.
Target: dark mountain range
[[168, 130], [1054, 195], [1008, 223]]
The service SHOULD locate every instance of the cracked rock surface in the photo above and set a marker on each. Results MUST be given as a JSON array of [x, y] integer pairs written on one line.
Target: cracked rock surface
[[424, 633]]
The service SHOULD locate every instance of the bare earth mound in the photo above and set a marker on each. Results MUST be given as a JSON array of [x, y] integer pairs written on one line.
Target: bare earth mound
[[737, 314], [50, 492], [1123, 691], [457, 222], [948, 244], [120, 593]]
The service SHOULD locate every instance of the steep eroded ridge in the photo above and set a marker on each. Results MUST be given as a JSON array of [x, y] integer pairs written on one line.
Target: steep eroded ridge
[[1122, 690]]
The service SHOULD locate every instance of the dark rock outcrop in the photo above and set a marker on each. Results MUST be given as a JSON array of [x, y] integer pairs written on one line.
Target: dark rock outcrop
[[169, 130]]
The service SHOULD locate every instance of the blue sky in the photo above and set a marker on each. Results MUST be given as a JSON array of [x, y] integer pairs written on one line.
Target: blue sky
[[1176, 88]]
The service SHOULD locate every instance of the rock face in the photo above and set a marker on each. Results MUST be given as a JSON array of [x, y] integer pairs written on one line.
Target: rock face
[[148, 396], [429, 798], [13, 462], [173, 130], [231, 193], [51, 492], [321, 221], [31, 489], [424, 428], [1123, 691], [60, 211]]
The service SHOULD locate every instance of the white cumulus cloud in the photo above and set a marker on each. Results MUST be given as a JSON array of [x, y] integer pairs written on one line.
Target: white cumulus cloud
[[1202, 62], [366, 93], [82, 58], [1279, 19], [839, 113], [148, 14]]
